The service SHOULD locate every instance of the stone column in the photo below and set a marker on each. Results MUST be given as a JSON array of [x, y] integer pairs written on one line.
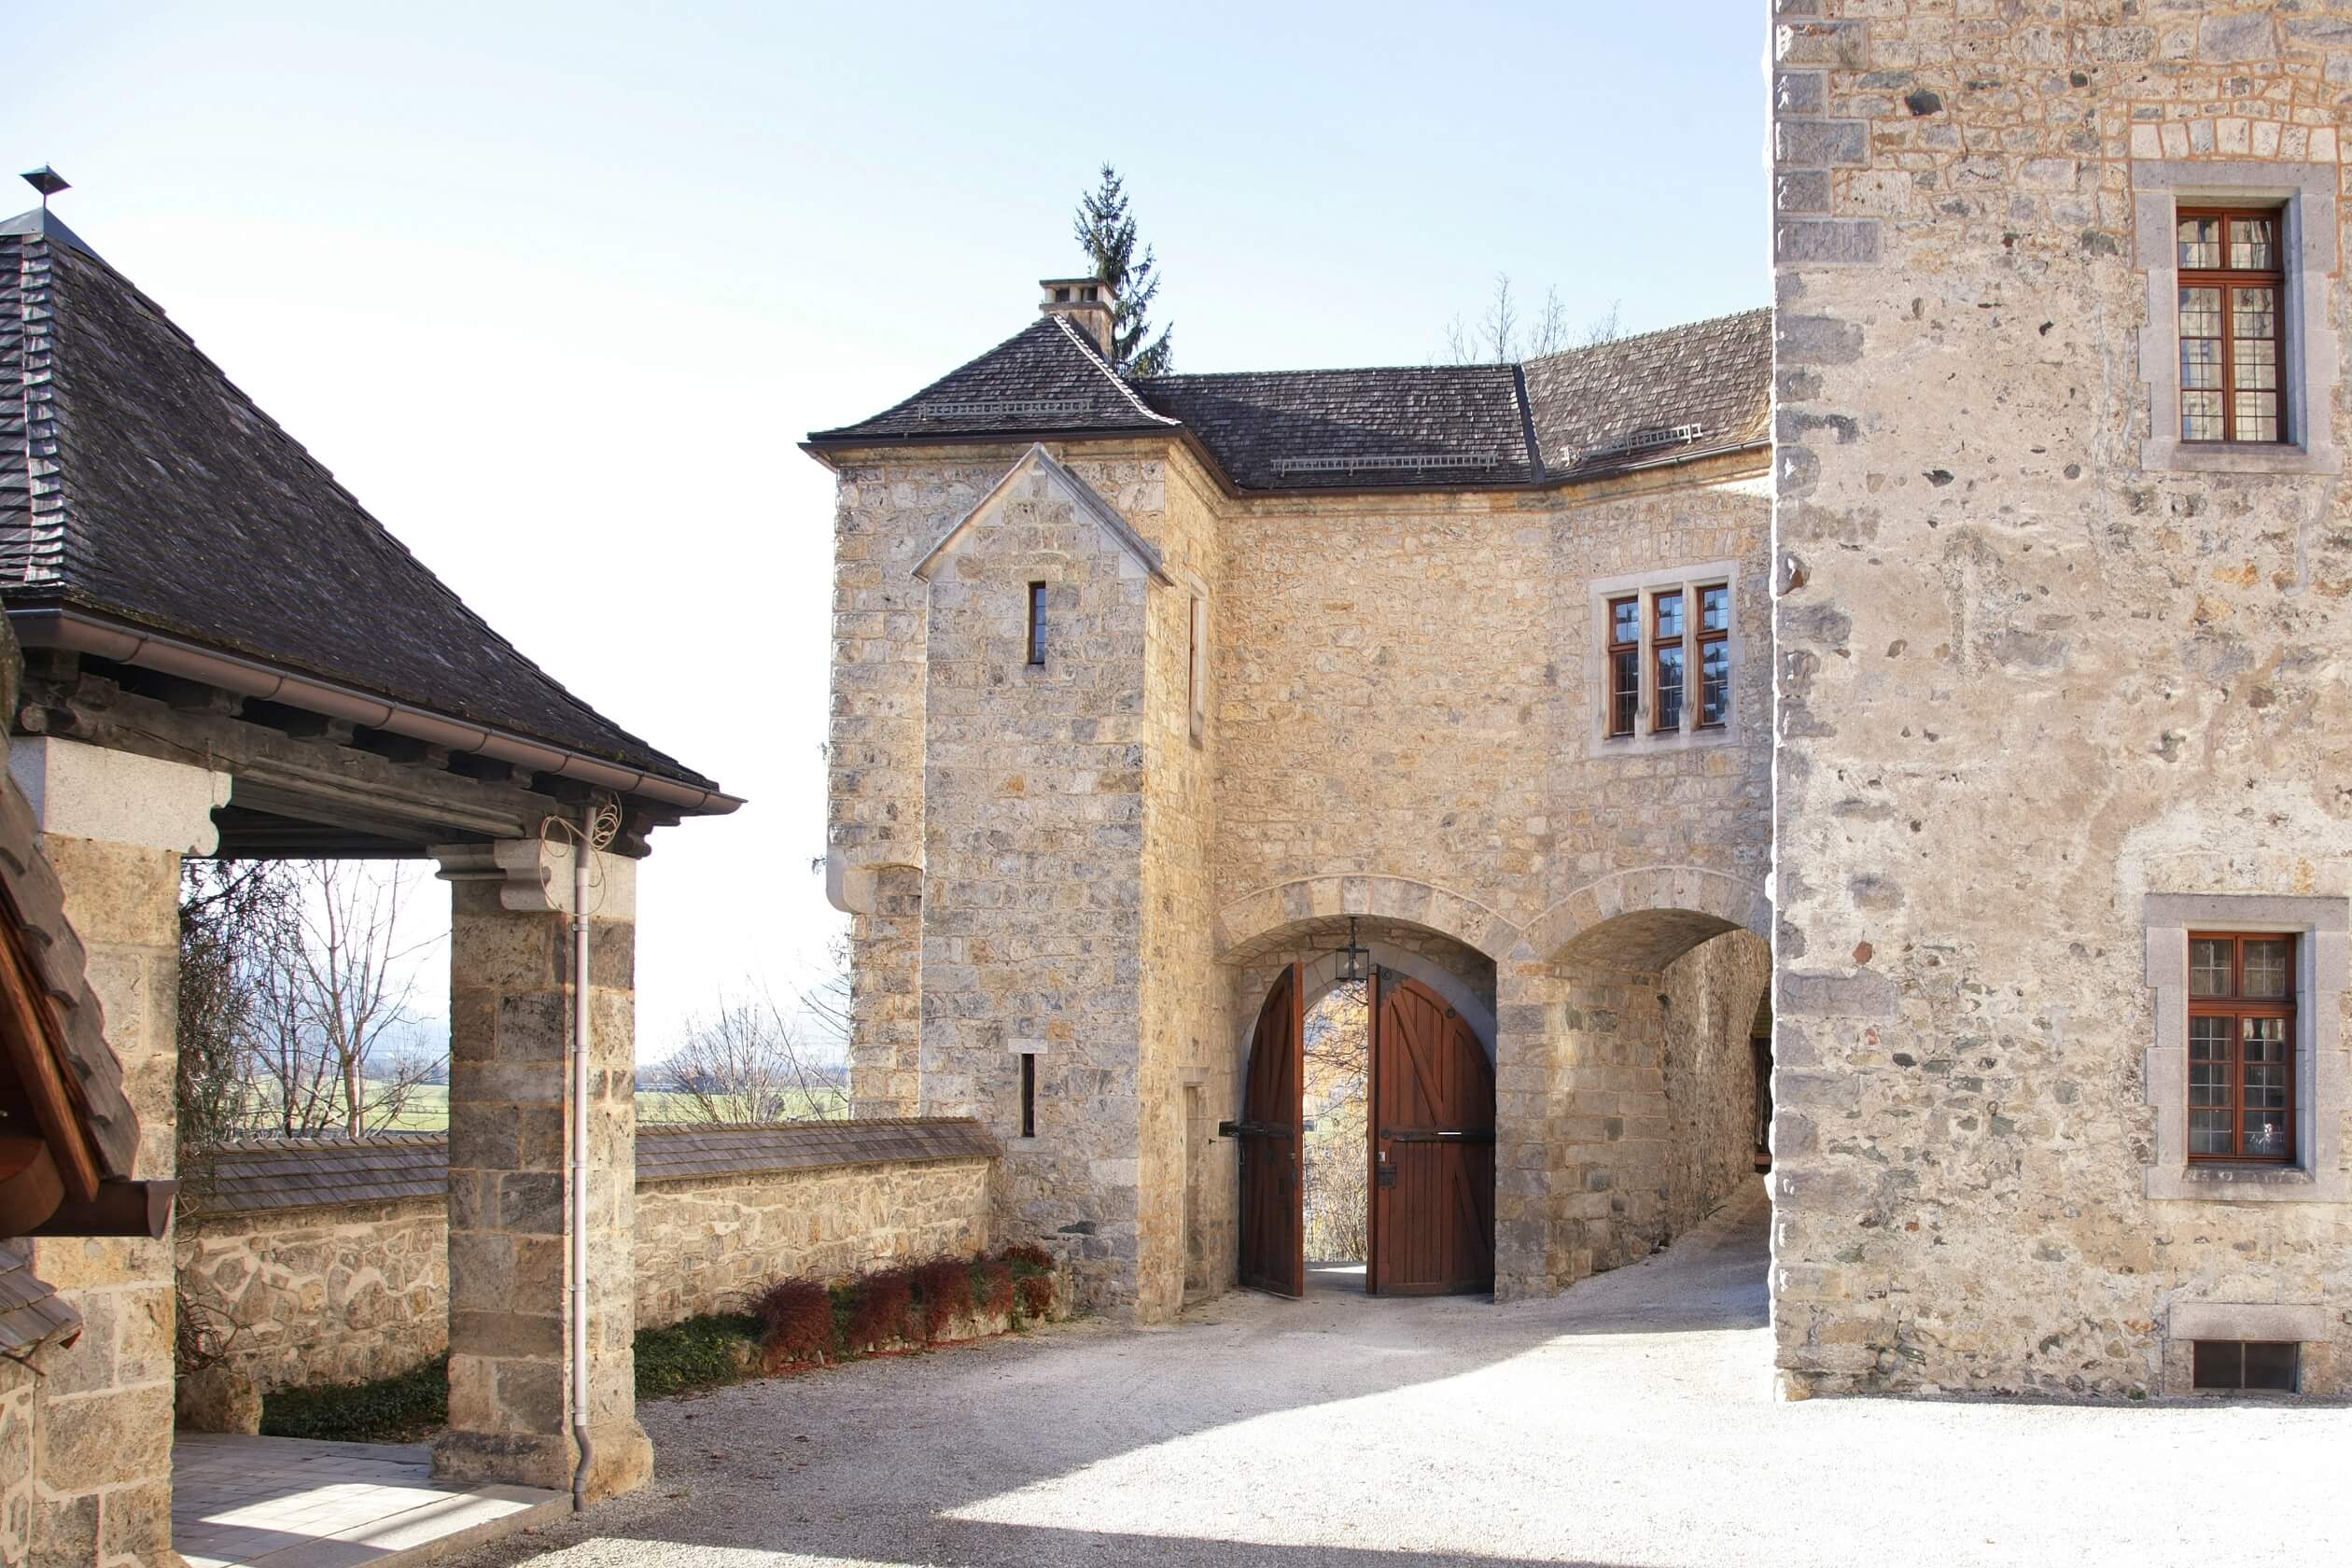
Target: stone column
[[509, 1121], [114, 826], [1523, 1052]]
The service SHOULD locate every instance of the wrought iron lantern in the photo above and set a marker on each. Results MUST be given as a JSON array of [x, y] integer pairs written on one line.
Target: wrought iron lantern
[[1355, 956]]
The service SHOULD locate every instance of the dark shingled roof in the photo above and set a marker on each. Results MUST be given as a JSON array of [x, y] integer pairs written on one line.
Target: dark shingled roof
[[32, 1313], [1047, 377], [1656, 397], [1661, 398], [137, 481], [389, 1168], [1447, 426]]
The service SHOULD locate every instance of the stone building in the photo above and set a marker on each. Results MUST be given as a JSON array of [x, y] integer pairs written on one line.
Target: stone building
[[2064, 839], [226, 655], [2031, 759], [1146, 692]]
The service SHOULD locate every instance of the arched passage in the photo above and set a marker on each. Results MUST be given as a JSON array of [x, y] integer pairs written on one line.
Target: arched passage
[[1648, 985], [1421, 1129]]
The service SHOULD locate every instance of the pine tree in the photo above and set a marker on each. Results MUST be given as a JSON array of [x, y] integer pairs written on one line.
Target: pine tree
[[1107, 231]]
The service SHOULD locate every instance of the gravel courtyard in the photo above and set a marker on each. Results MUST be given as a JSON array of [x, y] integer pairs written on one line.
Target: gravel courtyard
[[1629, 1422]]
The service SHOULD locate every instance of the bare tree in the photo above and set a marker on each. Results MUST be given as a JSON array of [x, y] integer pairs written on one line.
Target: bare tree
[[750, 1060], [1503, 335], [1337, 1071], [330, 990], [232, 915]]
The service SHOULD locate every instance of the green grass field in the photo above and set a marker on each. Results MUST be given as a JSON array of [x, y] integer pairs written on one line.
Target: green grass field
[[428, 1109]]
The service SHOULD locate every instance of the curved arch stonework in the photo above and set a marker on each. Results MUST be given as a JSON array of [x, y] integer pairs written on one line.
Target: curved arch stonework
[[1646, 918], [1257, 920], [1323, 976]]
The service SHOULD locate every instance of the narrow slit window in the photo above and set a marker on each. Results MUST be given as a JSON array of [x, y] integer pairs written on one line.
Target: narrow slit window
[[1667, 659], [1625, 664], [2241, 1048], [2231, 281], [2265, 1365], [1029, 1095], [1037, 622], [1714, 656]]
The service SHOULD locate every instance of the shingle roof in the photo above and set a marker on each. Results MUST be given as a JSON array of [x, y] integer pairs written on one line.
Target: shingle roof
[[32, 1313], [1045, 377], [1699, 387], [1447, 427], [138, 483], [1663, 396], [388, 1168]]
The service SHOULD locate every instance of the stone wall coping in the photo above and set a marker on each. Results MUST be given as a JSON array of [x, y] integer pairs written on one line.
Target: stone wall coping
[[389, 1168]]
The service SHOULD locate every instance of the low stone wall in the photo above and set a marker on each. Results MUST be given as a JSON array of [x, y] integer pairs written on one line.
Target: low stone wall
[[709, 1246], [325, 1260]]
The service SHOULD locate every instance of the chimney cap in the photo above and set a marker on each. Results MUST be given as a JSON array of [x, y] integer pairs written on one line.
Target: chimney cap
[[1078, 291]]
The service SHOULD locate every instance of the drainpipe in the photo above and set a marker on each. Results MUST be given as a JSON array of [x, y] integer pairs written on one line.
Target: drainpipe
[[581, 851]]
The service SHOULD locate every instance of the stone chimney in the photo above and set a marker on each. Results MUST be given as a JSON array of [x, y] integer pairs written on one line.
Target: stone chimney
[[1088, 302]]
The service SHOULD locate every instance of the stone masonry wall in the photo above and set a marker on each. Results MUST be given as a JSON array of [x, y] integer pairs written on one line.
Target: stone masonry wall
[[2038, 666], [709, 1246], [1709, 1073], [331, 1294], [342, 1293], [1032, 848]]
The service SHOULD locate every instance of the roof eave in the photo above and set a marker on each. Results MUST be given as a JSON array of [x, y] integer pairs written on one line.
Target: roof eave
[[58, 626]]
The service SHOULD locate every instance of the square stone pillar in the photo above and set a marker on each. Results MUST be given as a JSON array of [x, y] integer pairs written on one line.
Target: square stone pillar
[[510, 1129], [113, 827], [1523, 1068]]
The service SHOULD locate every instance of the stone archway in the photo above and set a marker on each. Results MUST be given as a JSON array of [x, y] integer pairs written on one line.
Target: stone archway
[[1646, 918]]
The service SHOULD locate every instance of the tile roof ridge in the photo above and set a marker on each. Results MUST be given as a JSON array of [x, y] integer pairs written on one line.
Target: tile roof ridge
[[1673, 330], [381, 1138], [149, 306], [1481, 367], [1078, 341]]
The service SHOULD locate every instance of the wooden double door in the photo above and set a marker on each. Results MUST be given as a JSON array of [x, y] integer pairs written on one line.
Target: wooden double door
[[1429, 1145]]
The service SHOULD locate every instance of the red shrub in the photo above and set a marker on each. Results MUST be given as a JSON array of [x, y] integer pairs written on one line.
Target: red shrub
[[886, 1300], [797, 1314], [1037, 1295], [1028, 1252], [992, 1286], [944, 1286]]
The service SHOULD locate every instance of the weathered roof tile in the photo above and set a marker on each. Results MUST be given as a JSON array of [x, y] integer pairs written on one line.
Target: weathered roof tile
[[137, 483]]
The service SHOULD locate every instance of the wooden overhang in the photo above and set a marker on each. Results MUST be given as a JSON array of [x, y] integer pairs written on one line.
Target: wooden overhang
[[67, 1133]]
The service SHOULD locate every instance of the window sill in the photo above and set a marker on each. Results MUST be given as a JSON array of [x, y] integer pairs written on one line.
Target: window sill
[[2248, 1183], [2246, 457]]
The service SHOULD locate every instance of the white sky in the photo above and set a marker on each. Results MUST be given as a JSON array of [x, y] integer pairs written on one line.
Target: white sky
[[555, 289]]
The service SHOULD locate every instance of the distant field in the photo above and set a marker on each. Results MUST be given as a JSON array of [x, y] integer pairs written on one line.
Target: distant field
[[428, 1109]]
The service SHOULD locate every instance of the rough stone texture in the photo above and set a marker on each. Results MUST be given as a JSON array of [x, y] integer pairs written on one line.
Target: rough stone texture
[[510, 1102], [1711, 995], [709, 1246], [2025, 682], [99, 1415], [339, 1292], [312, 1296], [1402, 723]]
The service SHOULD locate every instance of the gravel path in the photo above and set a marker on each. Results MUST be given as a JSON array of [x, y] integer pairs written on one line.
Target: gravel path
[[1629, 1422]]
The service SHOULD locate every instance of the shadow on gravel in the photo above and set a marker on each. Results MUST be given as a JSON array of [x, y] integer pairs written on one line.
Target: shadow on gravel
[[874, 1463]]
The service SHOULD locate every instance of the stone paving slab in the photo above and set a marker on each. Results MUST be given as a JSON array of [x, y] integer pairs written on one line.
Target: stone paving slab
[[286, 1502]]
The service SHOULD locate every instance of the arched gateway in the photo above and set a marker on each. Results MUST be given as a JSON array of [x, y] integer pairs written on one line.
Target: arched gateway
[[1429, 1143]]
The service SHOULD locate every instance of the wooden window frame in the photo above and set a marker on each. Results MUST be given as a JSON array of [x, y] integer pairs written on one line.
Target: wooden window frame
[[1625, 708], [1703, 639], [2236, 1006], [2228, 280], [1661, 644], [1036, 623]]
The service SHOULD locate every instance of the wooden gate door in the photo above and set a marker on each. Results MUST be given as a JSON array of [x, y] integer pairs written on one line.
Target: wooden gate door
[[1432, 1130], [1273, 1207]]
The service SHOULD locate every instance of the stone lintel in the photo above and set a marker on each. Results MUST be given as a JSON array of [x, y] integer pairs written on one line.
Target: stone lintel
[[118, 797]]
